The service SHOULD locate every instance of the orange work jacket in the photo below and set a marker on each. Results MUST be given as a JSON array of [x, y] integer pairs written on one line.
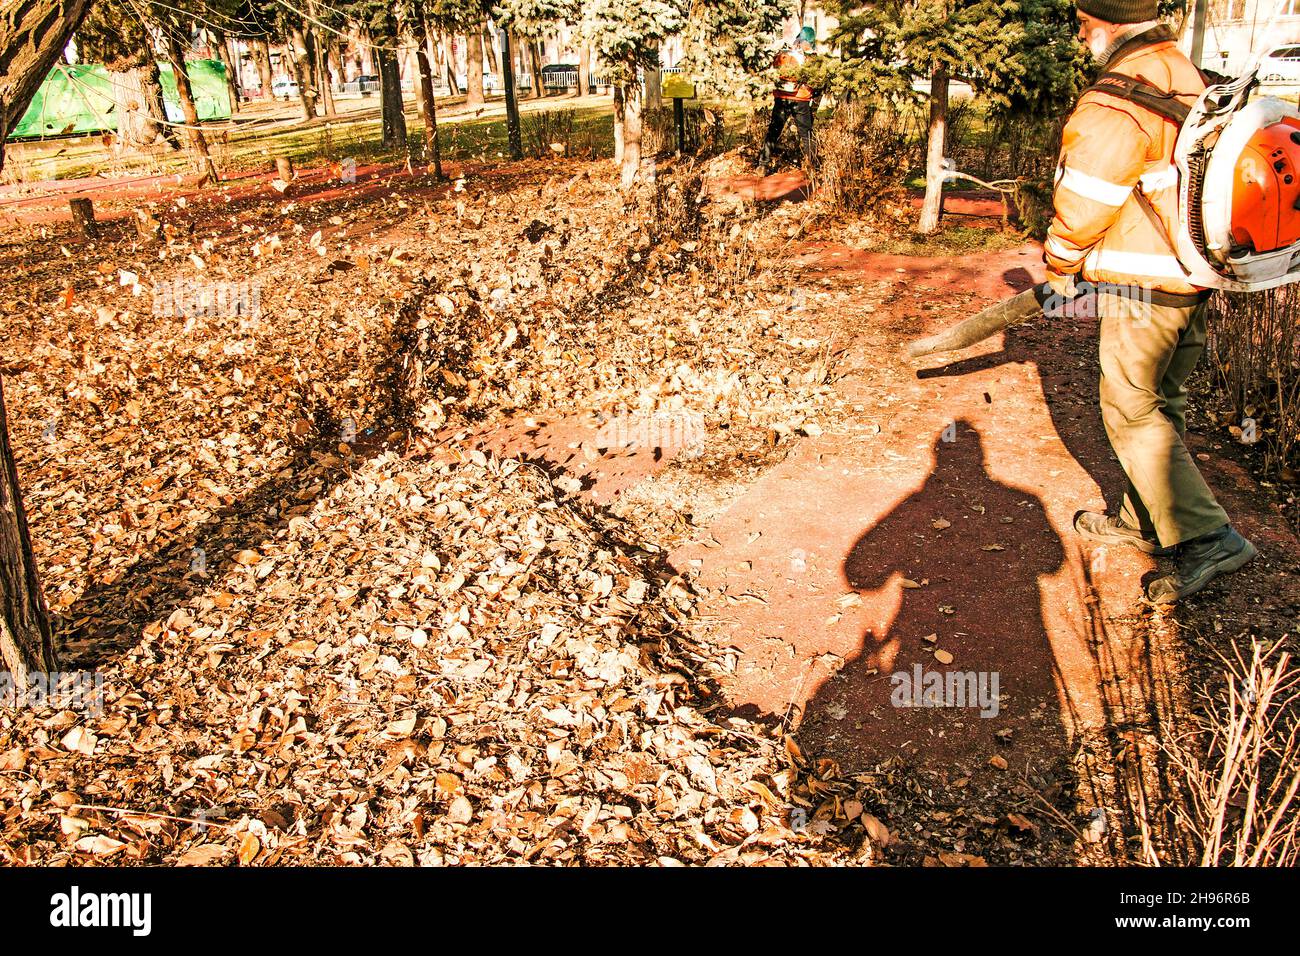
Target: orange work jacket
[[1111, 149]]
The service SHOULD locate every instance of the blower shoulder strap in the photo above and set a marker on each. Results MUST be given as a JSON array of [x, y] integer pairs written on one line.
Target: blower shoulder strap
[[1161, 102], [1158, 101]]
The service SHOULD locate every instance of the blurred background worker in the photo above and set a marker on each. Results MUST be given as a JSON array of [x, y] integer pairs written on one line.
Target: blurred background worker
[[792, 97]]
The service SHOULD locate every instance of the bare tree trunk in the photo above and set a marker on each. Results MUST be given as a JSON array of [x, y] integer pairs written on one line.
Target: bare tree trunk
[[297, 47], [619, 117], [932, 206], [584, 70], [322, 69], [185, 93], [513, 129], [137, 122], [262, 57], [449, 60], [534, 48], [232, 75], [631, 164], [32, 36], [534, 67], [654, 79], [333, 61], [474, 95], [390, 94], [490, 48], [26, 641], [151, 87], [428, 105]]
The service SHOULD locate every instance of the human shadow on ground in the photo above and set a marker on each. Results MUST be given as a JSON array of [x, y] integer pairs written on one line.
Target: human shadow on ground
[[977, 549], [1122, 765]]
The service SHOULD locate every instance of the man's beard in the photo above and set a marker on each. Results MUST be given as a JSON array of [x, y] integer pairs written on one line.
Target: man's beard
[[1098, 44]]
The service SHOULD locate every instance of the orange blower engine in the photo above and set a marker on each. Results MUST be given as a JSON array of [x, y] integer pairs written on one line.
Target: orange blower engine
[[1238, 161], [1266, 190]]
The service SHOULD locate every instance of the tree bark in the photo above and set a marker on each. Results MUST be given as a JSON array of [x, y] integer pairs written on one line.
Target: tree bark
[[299, 55], [474, 94], [323, 83], [26, 641], [153, 97], [333, 61], [390, 94], [428, 105], [490, 50], [449, 61], [654, 79], [32, 36], [618, 125], [513, 132], [232, 75], [262, 57], [584, 70], [932, 206], [137, 119], [185, 93], [631, 164], [535, 68]]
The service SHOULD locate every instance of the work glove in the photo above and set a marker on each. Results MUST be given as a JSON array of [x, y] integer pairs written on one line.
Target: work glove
[[1062, 285], [1062, 291]]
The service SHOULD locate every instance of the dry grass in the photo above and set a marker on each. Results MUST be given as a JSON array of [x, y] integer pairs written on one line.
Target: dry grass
[[546, 133], [1243, 793], [1255, 352], [861, 159]]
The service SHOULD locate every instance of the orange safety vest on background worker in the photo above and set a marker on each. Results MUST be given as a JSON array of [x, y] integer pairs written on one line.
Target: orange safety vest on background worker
[[1110, 149], [788, 87]]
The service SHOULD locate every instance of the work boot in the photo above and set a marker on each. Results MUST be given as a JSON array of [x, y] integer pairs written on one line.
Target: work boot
[[1107, 530], [1200, 561]]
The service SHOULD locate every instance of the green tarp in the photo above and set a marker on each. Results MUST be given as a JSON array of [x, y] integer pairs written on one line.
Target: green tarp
[[79, 99]]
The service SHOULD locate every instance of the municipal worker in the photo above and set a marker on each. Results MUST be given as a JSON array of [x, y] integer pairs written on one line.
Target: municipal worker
[[791, 98], [1115, 209]]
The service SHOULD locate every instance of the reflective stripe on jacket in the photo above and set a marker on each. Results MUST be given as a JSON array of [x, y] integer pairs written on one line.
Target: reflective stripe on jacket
[[1110, 148]]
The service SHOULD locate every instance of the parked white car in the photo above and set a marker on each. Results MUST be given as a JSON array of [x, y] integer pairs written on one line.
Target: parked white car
[[284, 87], [1281, 65]]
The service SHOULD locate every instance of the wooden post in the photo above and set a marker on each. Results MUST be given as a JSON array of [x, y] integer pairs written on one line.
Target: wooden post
[[284, 168], [83, 215], [679, 118], [513, 134], [147, 226]]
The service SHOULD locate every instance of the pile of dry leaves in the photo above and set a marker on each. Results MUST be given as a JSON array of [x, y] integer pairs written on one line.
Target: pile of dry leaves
[[329, 629]]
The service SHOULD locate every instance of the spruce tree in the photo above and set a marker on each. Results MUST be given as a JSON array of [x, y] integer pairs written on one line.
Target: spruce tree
[[1018, 54], [626, 35]]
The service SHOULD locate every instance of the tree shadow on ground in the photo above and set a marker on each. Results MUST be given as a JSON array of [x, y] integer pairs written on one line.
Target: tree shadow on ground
[[106, 619]]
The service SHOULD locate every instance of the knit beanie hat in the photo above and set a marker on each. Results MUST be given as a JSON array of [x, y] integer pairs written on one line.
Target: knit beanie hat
[[1119, 11]]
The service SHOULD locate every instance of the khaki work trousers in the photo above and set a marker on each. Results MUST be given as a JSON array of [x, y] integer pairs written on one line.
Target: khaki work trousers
[[1147, 352]]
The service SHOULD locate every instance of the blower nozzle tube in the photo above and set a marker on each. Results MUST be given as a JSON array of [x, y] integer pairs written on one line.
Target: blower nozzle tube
[[979, 327]]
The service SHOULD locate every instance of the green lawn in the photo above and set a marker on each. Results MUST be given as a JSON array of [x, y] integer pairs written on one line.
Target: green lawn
[[584, 125]]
